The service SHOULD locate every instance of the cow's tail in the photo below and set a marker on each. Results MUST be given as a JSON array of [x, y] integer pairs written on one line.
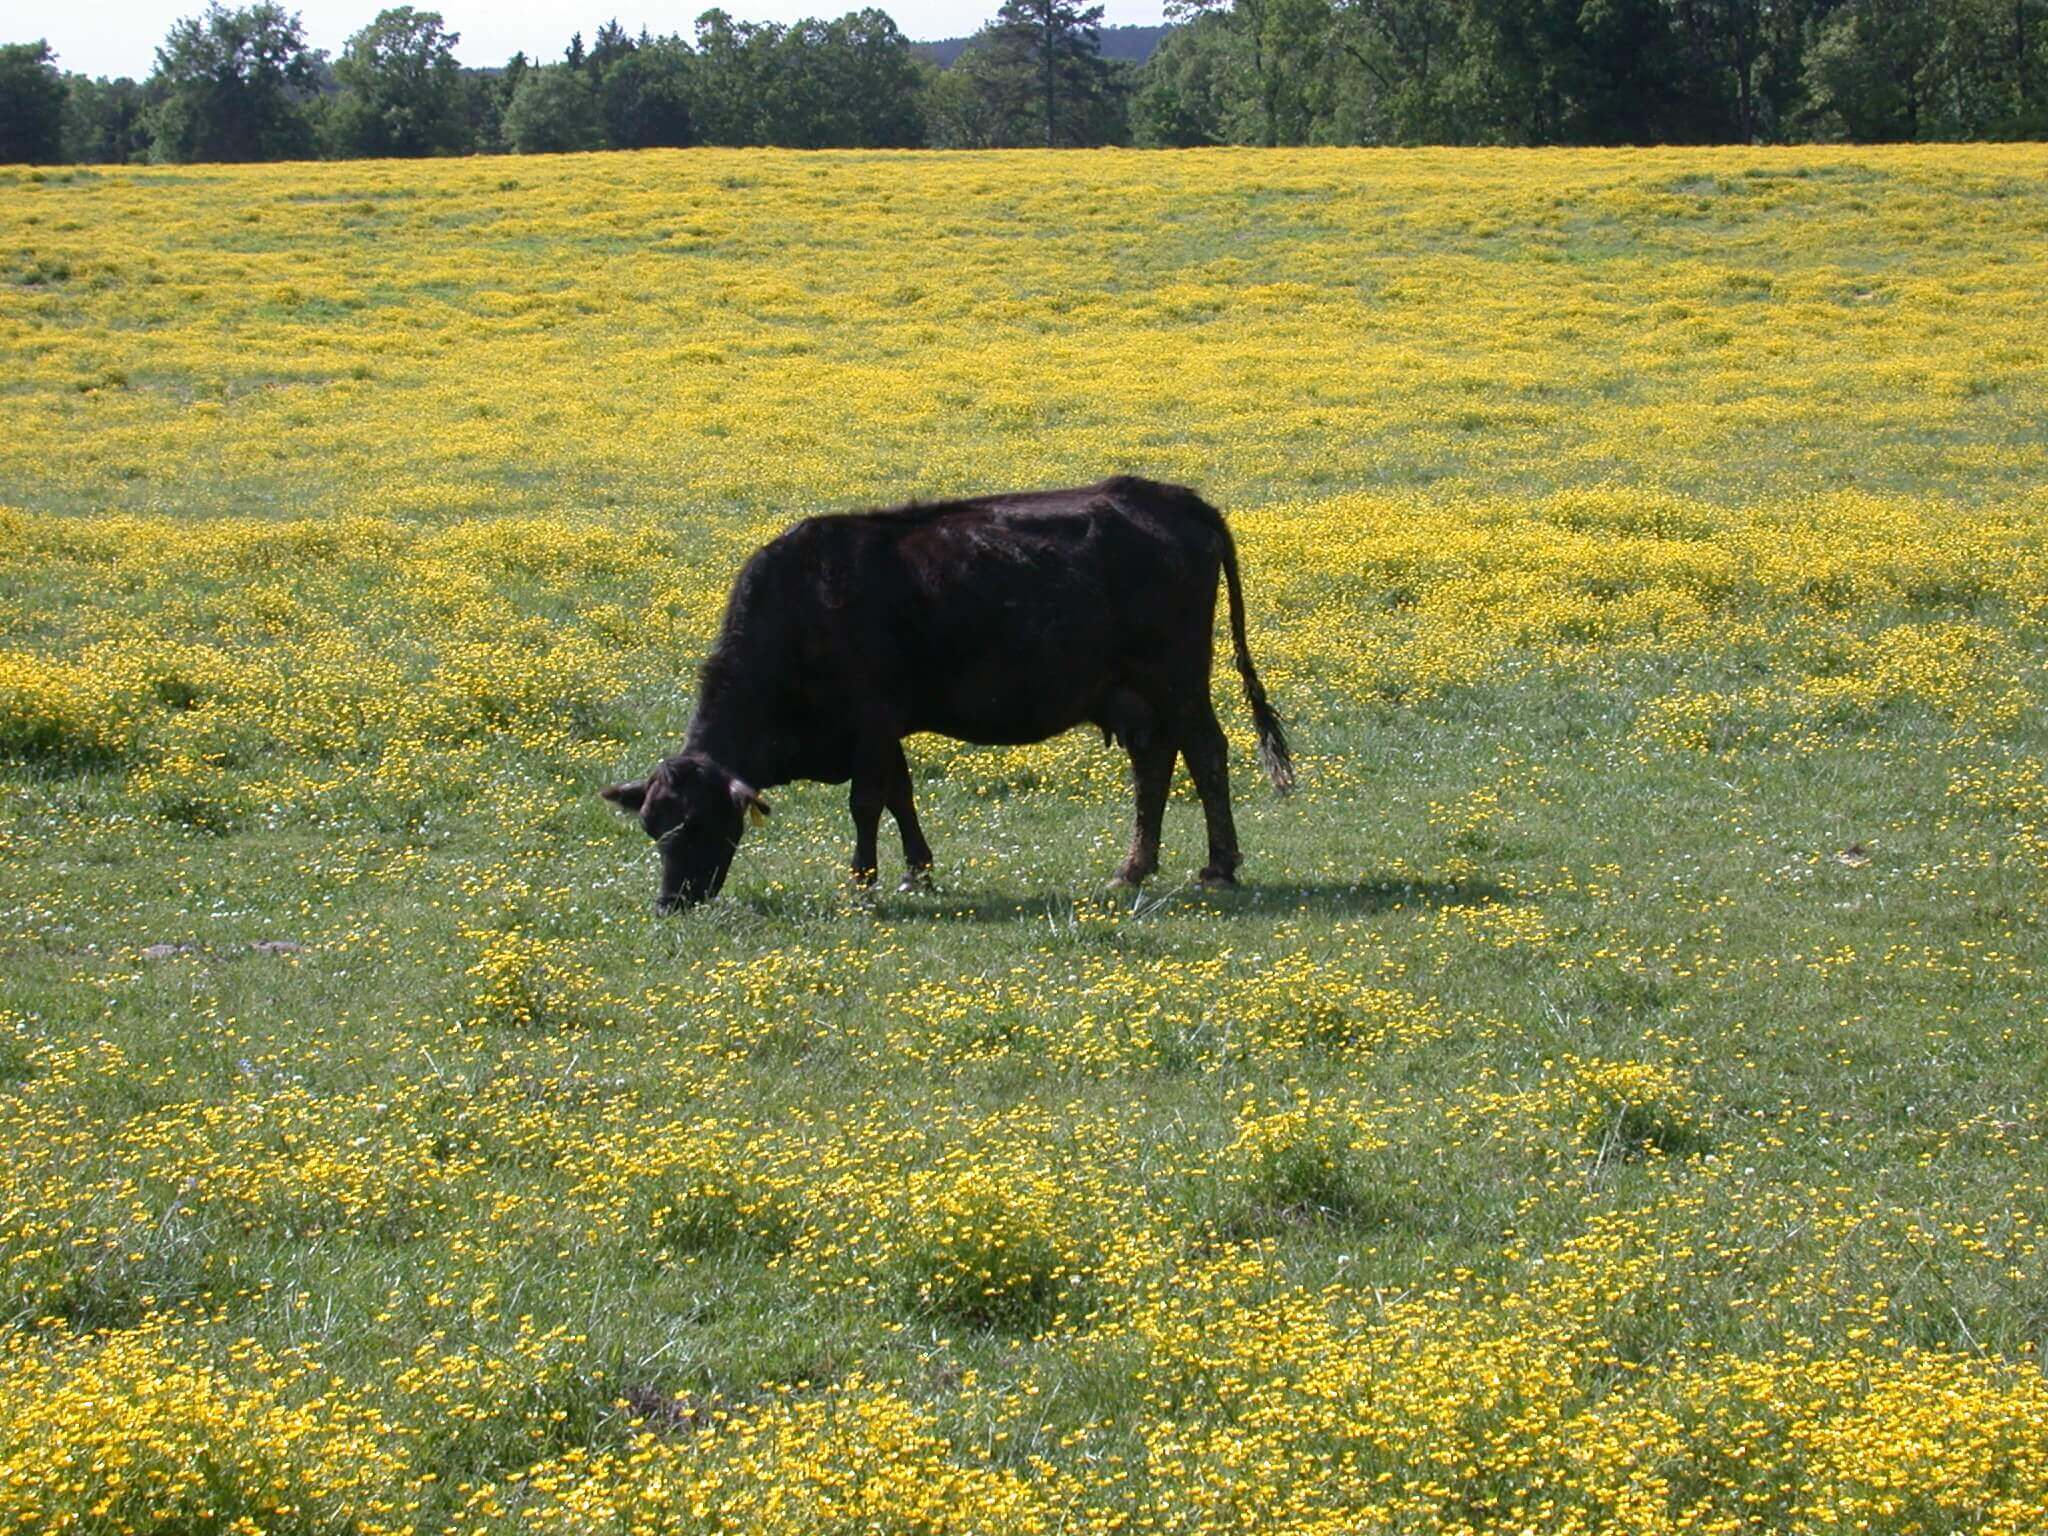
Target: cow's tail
[[1273, 754]]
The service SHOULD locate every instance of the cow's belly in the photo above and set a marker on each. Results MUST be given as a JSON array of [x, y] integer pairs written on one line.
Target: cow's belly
[[1007, 702], [1008, 657], [1002, 704], [998, 723]]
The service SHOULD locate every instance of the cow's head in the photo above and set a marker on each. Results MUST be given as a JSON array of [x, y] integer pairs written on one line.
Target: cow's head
[[695, 811]]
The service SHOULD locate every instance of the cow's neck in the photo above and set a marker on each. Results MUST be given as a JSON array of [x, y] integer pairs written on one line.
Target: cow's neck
[[731, 728]]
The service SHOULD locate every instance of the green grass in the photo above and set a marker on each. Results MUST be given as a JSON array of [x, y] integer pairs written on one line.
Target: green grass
[[1686, 908], [1488, 890]]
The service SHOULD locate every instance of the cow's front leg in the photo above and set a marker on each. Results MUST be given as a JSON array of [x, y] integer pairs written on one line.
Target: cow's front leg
[[917, 853], [864, 798]]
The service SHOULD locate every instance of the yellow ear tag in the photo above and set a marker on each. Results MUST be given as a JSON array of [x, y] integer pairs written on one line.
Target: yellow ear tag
[[754, 812]]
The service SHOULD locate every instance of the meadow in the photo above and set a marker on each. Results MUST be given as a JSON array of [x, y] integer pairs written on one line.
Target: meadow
[[1613, 1104]]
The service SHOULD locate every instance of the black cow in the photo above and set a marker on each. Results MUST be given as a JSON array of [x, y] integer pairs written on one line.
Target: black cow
[[996, 620]]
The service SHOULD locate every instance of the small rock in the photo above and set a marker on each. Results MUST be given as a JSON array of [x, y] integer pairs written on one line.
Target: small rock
[[666, 1412], [165, 951], [277, 947]]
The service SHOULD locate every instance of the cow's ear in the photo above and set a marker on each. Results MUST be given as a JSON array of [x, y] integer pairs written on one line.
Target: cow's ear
[[748, 799], [627, 797]]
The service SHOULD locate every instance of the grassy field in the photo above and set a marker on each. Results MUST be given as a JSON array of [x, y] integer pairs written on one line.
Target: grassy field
[[1613, 1104]]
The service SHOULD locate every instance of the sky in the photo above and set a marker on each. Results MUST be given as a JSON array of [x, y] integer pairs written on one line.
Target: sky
[[119, 37]]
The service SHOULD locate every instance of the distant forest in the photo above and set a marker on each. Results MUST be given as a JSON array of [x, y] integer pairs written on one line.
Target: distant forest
[[241, 83], [1132, 45]]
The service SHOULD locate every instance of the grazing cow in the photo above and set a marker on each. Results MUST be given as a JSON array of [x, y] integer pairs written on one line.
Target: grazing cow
[[995, 620]]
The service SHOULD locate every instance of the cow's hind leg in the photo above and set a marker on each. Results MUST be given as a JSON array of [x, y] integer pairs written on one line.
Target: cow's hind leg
[[1151, 777], [917, 853], [1209, 763], [864, 799]]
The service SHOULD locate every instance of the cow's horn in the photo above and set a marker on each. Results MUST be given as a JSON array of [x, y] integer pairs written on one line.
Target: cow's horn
[[748, 799]]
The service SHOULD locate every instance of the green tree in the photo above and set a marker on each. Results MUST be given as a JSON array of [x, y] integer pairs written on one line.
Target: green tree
[[553, 111], [1190, 92], [31, 105], [736, 67], [1045, 57], [2020, 27], [613, 44], [1284, 44], [1872, 71], [846, 84], [516, 69], [1983, 81], [232, 86], [1398, 73], [1726, 49], [876, 74], [1623, 72], [802, 109], [1521, 64], [986, 100], [1562, 72], [402, 91], [485, 95], [1938, 69], [103, 121], [1106, 118], [643, 100], [959, 112], [850, 83]]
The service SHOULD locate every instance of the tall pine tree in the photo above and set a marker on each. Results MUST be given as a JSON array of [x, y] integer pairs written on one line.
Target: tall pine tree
[[1053, 48]]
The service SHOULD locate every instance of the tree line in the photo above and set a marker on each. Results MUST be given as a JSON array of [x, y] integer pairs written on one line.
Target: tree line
[[1532, 72], [239, 84]]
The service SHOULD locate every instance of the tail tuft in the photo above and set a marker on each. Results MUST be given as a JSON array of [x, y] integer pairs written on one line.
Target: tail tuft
[[1273, 754]]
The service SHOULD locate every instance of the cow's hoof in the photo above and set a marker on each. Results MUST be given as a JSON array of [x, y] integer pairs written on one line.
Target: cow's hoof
[[915, 880], [1123, 885], [1214, 879]]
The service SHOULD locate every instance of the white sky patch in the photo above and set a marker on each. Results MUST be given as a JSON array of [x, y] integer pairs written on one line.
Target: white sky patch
[[119, 37]]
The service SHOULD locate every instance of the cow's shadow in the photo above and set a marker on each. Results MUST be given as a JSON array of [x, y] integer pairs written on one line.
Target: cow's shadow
[[1363, 897]]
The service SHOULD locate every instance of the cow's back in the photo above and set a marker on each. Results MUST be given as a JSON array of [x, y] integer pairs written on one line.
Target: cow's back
[[1010, 618]]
